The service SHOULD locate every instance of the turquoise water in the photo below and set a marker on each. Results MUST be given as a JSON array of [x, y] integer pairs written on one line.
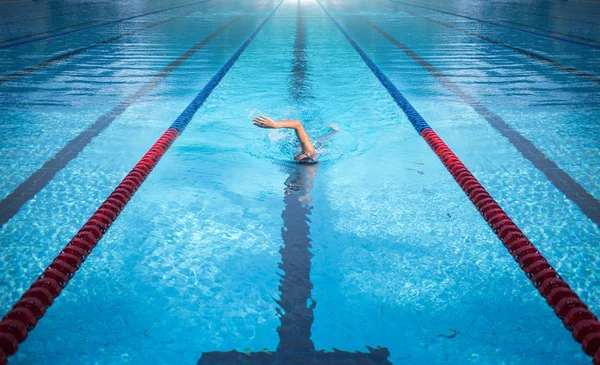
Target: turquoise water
[[401, 258]]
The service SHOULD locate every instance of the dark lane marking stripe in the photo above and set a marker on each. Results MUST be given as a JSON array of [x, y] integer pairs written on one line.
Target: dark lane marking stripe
[[551, 16], [299, 87], [35, 9], [549, 36], [10, 205], [45, 11], [39, 18], [70, 54], [18, 43], [549, 31], [532, 55], [576, 12], [48, 32], [586, 202], [296, 303], [295, 300]]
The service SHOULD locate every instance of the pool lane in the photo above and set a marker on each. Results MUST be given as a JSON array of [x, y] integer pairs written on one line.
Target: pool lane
[[146, 164], [524, 52], [15, 10], [587, 39], [152, 264], [56, 12], [56, 23], [379, 193], [53, 16], [579, 29], [55, 35], [47, 32], [546, 16], [545, 35], [585, 325], [580, 58], [98, 15], [582, 9], [67, 55], [395, 217], [34, 54], [295, 302]]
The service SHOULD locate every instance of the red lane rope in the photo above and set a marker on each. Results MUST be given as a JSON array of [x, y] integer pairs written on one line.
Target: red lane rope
[[567, 305], [24, 315], [574, 314]]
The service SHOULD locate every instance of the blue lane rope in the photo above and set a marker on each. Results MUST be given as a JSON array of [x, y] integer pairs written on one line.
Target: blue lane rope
[[186, 116], [36, 39], [549, 36], [413, 115]]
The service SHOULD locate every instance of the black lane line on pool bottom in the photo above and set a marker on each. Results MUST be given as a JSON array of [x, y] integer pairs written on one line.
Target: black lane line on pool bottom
[[549, 16], [48, 32], [549, 31], [37, 11], [586, 202], [36, 39], [532, 55], [549, 36], [10, 205], [54, 16], [296, 314], [295, 344], [296, 305], [67, 55], [51, 16]]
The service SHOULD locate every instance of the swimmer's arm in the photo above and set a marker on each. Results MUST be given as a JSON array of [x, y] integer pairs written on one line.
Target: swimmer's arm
[[296, 125], [307, 146]]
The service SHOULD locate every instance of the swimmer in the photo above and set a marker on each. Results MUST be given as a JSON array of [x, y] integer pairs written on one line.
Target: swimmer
[[309, 153]]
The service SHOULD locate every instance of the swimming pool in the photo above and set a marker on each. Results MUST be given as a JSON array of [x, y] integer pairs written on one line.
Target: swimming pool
[[227, 242]]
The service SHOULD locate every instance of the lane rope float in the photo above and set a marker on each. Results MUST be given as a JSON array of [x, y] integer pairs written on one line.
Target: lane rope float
[[50, 36], [31, 307], [575, 315]]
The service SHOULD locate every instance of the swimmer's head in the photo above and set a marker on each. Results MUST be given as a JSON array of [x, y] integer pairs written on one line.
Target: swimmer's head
[[305, 158]]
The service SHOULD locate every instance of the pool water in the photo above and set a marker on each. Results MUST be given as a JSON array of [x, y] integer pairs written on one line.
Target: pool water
[[374, 246]]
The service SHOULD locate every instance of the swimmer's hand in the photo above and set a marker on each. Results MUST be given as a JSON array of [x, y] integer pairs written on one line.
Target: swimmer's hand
[[264, 122]]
